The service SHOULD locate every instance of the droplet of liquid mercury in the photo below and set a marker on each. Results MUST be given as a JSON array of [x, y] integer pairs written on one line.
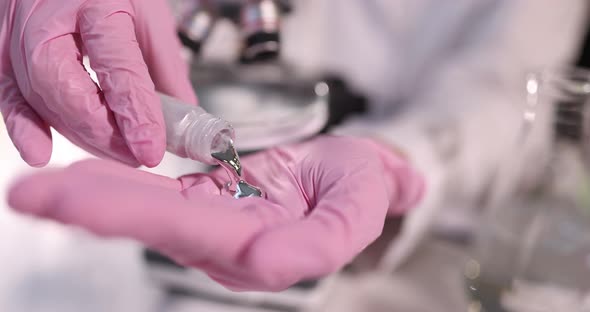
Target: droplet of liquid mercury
[[226, 156], [244, 189], [229, 159]]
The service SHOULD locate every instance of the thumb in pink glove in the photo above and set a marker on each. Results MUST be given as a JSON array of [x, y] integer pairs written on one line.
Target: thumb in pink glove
[[327, 200], [43, 83]]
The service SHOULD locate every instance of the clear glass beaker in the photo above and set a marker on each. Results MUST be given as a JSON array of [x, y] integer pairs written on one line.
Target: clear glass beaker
[[533, 246]]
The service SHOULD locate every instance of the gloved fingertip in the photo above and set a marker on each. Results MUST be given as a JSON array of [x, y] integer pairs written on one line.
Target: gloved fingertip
[[35, 154], [130, 161], [32, 194], [32, 140], [412, 189], [37, 164], [148, 145], [417, 191], [147, 155]]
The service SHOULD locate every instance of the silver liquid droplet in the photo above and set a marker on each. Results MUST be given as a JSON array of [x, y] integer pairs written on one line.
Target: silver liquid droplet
[[230, 161]]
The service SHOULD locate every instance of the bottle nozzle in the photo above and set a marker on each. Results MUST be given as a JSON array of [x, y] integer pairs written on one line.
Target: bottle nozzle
[[191, 132]]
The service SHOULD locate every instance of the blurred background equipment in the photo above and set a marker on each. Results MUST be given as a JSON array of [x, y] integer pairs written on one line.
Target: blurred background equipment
[[258, 21], [538, 217]]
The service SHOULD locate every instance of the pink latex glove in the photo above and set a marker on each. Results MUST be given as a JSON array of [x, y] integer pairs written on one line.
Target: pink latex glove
[[327, 200], [43, 83]]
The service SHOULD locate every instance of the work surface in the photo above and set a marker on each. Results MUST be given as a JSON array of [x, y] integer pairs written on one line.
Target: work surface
[[49, 268]]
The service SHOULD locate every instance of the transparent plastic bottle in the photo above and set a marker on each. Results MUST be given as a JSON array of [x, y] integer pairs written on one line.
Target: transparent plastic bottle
[[193, 133]]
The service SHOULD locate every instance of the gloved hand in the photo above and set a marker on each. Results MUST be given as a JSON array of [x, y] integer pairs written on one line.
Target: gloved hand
[[327, 200], [43, 83]]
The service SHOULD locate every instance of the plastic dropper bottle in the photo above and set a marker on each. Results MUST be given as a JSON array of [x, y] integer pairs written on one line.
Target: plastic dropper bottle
[[193, 133]]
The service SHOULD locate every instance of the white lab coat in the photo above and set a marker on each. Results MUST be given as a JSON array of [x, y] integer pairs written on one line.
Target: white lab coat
[[445, 80]]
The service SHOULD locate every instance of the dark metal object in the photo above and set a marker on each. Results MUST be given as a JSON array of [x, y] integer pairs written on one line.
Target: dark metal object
[[258, 21]]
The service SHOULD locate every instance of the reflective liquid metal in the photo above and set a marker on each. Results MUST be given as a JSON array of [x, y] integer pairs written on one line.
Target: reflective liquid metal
[[228, 158]]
